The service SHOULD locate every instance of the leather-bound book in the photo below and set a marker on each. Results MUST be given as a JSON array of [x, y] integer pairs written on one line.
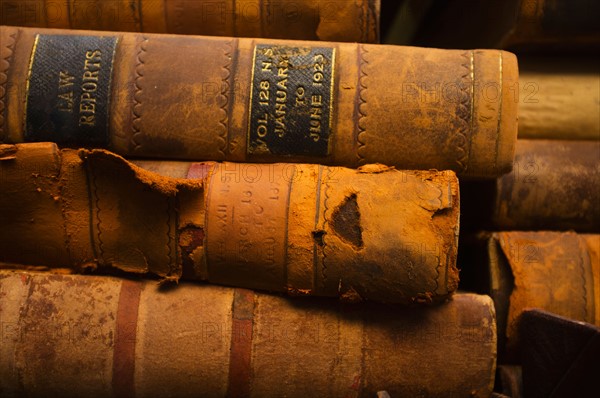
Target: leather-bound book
[[335, 20], [553, 186], [98, 336], [520, 25], [554, 271], [559, 98], [258, 100], [374, 233]]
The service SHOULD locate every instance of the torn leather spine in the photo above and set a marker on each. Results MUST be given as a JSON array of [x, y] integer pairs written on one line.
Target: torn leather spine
[[374, 233]]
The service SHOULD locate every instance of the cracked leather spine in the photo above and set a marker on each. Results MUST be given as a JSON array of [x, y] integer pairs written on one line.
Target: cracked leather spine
[[220, 341], [374, 233], [258, 100], [535, 196], [338, 20]]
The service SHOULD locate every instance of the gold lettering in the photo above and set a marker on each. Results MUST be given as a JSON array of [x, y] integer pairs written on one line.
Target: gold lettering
[[282, 70], [282, 84], [87, 107], [261, 130], [316, 111], [89, 86], [300, 99], [67, 104], [281, 96], [91, 65], [65, 92], [263, 94], [266, 66], [280, 109], [65, 80], [87, 121], [89, 75], [318, 69], [95, 54]]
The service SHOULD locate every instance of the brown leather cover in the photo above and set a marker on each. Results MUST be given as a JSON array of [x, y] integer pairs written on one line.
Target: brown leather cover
[[188, 98], [101, 336], [373, 233], [335, 20], [554, 186], [553, 271], [559, 98]]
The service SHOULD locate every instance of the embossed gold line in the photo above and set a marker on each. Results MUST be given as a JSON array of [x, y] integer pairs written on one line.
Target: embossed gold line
[[110, 92], [500, 80], [472, 110], [31, 59], [331, 92], [251, 95]]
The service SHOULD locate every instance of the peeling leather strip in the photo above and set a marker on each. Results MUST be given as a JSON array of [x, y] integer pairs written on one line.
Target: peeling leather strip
[[240, 356], [123, 382], [199, 171]]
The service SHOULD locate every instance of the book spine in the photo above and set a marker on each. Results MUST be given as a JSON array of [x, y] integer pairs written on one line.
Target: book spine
[[552, 186], [337, 20], [548, 110], [554, 271], [262, 100], [103, 336], [374, 233]]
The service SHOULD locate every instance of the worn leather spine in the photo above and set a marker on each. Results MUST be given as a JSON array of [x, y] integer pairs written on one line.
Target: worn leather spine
[[337, 20], [202, 98], [101, 336], [374, 233], [554, 186], [559, 98], [555, 271]]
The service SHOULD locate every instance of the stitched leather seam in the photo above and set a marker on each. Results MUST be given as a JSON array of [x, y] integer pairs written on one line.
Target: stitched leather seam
[[5, 63], [362, 102], [224, 121], [137, 96]]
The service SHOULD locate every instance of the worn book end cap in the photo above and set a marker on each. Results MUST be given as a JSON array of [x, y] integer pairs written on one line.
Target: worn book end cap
[[494, 114]]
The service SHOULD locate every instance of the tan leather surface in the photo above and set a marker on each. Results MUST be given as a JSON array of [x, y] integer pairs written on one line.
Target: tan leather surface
[[335, 20], [188, 98], [374, 233], [553, 186], [559, 98], [71, 332], [554, 271]]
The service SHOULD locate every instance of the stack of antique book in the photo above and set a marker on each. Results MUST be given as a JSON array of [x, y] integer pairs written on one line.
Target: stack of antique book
[[255, 198]]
